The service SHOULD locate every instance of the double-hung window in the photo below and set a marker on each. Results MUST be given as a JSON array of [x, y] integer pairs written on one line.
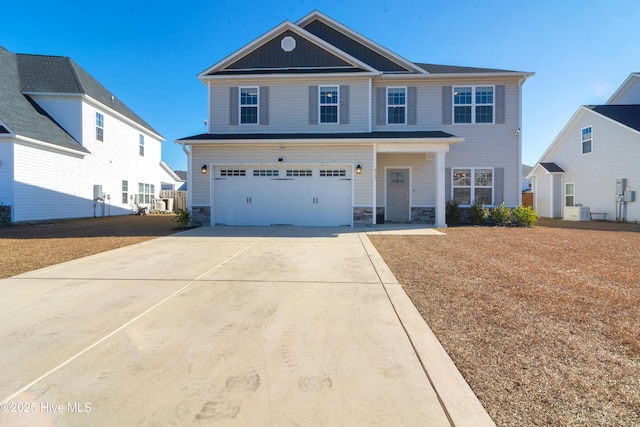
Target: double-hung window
[[249, 105], [328, 104], [146, 193], [125, 192], [473, 104], [473, 186], [570, 194], [99, 127], [141, 150], [396, 105], [587, 140]]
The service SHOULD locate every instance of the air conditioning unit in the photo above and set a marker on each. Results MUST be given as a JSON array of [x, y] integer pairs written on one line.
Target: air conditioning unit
[[577, 213]]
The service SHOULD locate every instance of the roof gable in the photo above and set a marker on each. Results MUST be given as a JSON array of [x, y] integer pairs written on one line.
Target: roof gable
[[628, 92], [287, 49], [61, 75]]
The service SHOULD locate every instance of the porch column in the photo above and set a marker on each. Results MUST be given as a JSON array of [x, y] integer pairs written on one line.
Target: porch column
[[441, 221], [375, 184]]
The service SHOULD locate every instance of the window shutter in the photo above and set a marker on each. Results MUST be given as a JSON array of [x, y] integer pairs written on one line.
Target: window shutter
[[447, 101], [412, 114], [500, 108], [344, 104], [447, 184], [233, 105], [381, 106], [498, 186], [264, 105], [313, 105]]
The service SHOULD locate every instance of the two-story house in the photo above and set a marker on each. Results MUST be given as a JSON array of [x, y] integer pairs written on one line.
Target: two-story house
[[70, 148], [591, 168], [314, 124]]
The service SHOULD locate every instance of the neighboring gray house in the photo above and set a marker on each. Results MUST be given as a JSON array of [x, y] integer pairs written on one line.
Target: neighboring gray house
[[314, 124], [591, 168], [69, 148]]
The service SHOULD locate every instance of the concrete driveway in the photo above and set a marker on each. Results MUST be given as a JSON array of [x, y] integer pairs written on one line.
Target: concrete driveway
[[225, 326]]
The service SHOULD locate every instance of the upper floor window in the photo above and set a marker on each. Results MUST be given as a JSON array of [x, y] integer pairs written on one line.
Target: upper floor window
[[396, 105], [587, 141], [473, 104], [99, 127], [249, 105], [473, 185], [328, 104], [142, 145]]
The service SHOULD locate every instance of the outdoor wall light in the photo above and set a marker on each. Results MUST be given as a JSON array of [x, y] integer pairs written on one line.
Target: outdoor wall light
[[358, 170], [204, 169]]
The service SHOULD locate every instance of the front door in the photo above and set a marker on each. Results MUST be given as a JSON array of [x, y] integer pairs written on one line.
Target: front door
[[397, 203]]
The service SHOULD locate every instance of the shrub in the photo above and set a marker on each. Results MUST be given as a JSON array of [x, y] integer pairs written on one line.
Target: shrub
[[501, 215], [5, 215], [524, 216], [183, 217], [478, 213], [453, 212]]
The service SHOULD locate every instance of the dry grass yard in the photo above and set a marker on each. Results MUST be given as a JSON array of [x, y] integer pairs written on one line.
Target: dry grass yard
[[543, 322]]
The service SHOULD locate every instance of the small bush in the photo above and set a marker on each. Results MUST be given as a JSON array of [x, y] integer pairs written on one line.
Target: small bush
[[524, 216], [183, 217], [5, 215], [453, 212], [478, 214], [501, 215]]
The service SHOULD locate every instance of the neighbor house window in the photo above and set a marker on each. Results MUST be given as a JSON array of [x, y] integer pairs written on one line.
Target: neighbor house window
[[145, 193], [249, 105], [570, 194], [587, 140], [328, 104], [125, 192], [99, 127], [473, 186], [396, 105], [473, 104], [142, 145]]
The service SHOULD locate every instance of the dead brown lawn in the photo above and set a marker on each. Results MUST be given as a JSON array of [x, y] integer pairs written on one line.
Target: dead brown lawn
[[544, 322]]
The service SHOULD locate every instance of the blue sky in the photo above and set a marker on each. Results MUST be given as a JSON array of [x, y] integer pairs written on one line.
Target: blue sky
[[148, 53]]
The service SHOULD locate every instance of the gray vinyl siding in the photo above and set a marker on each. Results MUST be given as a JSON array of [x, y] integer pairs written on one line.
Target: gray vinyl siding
[[289, 107], [329, 154], [615, 154], [423, 185]]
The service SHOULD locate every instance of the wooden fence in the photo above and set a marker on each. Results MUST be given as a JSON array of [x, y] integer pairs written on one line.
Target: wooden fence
[[179, 198]]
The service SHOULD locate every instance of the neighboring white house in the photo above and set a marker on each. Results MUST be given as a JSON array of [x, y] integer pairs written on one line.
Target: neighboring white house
[[69, 148], [314, 124], [592, 165]]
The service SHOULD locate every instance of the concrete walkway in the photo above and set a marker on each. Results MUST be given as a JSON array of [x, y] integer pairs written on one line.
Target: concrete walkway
[[229, 326]]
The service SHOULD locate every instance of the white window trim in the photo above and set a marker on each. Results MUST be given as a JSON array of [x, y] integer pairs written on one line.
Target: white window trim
[[387, 105], [472, 186], [98, 126], [257, 106], [473, 105], [320, 105], [564, 199], [582, 141]]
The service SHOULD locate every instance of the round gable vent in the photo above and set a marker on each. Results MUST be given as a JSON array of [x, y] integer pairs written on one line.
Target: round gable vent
[[288, 43]]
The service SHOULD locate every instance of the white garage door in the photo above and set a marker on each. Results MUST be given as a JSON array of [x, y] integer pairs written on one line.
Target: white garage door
[[282, 195]]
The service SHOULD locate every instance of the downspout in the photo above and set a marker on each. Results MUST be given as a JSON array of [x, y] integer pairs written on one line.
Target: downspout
[[520, 83]]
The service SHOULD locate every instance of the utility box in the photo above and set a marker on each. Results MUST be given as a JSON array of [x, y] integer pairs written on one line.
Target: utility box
[[620, 185], [629, 196], [97, 192]]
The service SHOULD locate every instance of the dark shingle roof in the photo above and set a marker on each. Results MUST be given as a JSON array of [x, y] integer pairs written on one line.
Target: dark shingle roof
[[280, 136], [628, 115], [59, 74], [552, 167], [22, 115], [453, 69]]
